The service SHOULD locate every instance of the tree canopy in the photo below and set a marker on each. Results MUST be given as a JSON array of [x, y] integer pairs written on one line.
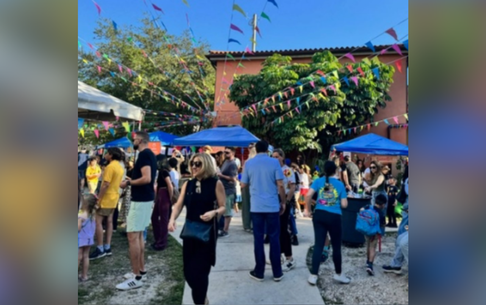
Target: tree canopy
[[322, 113], [152, 69]]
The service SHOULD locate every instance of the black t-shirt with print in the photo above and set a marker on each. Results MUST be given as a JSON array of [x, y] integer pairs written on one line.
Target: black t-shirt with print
[[144, 193]]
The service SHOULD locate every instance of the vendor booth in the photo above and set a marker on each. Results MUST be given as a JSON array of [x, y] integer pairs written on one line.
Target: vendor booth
[[371, 144]]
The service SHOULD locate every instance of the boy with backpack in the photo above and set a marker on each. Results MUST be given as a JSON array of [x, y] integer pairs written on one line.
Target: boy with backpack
[[371, 222]]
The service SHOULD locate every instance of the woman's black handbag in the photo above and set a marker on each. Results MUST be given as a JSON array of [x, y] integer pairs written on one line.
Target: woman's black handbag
[[196, 230]]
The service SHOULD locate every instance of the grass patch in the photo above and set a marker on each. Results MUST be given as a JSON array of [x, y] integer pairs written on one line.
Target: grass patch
[[105, 273]]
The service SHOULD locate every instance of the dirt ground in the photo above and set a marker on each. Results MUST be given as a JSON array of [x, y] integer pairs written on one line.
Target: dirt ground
[[164, 285], [364, 289]]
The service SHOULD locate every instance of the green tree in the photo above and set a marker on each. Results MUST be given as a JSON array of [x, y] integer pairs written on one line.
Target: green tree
[[160, 58], [316, 128]]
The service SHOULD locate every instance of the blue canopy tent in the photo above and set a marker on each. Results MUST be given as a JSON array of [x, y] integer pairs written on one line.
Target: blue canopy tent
[[164, 138], [219, 136], [373, 144], [122, 142]]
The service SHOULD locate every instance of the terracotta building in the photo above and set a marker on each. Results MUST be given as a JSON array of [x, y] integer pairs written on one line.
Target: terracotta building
[[228, 113]]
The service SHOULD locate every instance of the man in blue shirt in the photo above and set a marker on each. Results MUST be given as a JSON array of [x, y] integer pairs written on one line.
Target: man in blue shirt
[[268, 202]]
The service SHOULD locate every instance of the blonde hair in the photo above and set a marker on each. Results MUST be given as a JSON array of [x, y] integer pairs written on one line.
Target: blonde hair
[[207, 169], [252, 153], [379, 168]]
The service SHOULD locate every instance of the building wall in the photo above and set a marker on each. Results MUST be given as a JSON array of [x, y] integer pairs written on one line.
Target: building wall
[[228, 113]]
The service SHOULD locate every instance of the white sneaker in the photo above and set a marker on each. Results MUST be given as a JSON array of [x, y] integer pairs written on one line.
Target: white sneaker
[[300, 214], [342, 278], [312, 279], [131, 275], [129, 284], [289, 264]]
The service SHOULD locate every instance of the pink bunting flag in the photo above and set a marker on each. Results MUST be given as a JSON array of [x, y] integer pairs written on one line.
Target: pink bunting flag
[[321, 73], [312, 84], [157, 8], [368, 126], [144, 54], [355, 80], [286, 94], [99, 69], [392, 33], [234, 27], [98, 7], [107, 125], [354, 129], [292, 91], [350, 56], [399, 66], [265, 102], [98, 54], [97, 133], [258, 31], [339, 132], [274, 110], [90, 46], [247, 50], [360, 71], [288, 104], [297, 110], [350, 68], [117, 118], [395, 119], [397, 48], [120, 68], [333, 88], [323, 90]]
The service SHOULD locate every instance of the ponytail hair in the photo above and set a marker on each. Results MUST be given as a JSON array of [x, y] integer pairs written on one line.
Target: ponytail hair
[[329, 170]]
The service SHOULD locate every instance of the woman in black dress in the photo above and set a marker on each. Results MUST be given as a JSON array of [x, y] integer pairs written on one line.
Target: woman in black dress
[[204, 198]]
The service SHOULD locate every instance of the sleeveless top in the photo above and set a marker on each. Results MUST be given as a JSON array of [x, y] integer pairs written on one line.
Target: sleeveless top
[[198, 204], [381, 187]]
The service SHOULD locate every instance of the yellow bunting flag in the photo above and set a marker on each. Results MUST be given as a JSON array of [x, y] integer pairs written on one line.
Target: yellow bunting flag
[[85, 61], [81, 131], [280, 95], [301, 88], [281, 106], [322, 96], [406, 116], [139, 78], [127, 126], [335, 73]]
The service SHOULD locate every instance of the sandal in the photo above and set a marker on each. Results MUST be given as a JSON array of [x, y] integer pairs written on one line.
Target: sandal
[[81, 280]]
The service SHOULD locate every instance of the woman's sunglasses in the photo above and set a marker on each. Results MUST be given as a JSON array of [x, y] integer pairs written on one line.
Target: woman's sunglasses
[[372, 167], [195, 164]]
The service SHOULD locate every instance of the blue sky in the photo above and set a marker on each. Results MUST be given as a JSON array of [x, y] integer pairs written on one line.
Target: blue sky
[[295, 24]]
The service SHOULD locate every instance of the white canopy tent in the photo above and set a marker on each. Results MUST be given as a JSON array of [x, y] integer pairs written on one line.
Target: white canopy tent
[[94, 104]]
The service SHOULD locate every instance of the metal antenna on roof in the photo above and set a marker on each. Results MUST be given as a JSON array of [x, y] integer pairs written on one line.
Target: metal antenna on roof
[[253, 42]]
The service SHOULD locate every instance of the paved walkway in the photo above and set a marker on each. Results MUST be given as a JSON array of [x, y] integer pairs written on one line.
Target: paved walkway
[[229, 282]]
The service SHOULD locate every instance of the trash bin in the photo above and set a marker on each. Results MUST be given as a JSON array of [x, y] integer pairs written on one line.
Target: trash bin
[[351, 237]]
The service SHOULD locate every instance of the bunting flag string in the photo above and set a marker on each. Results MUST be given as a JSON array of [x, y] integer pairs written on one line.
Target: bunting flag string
[[324, 90], [134, 74], [320, 74], [311, 95], [173, 99], [376, 123], [178, 56], [186, 69], [236, 7], [98, 8]]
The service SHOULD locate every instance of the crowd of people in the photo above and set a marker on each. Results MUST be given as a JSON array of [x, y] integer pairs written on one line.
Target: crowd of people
[[269, 189]]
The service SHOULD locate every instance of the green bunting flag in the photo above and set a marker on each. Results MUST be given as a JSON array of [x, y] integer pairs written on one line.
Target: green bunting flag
[[263, 15]]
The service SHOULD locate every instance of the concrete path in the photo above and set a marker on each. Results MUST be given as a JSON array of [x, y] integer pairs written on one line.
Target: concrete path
[[229, 282]]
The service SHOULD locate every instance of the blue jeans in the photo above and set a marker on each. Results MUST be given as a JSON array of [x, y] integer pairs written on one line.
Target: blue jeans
[[401, 251], [272, 223], [293, 225]]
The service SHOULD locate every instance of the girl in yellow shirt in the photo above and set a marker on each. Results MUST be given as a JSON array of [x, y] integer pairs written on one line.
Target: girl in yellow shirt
[[93, 173]]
